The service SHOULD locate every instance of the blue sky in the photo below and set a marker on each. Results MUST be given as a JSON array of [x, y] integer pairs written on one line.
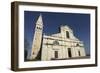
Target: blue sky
[[80, 24]]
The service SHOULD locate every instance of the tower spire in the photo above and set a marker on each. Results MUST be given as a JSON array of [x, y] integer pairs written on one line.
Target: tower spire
[[39, 21]]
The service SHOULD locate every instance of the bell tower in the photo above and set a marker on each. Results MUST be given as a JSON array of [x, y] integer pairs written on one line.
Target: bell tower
[[37, 39]]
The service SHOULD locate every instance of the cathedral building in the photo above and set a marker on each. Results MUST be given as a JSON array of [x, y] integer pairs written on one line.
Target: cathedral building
[[62, 45]]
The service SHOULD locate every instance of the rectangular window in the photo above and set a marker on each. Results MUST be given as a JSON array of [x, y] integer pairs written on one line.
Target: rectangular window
[[67, 34], [56, 54], [69, 52], [79, 53]]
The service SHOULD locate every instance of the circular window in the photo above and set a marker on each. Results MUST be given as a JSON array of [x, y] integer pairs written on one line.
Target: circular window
[[56, 43]]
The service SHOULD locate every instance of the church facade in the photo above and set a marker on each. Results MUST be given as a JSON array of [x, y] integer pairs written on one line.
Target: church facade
[[62, 45]]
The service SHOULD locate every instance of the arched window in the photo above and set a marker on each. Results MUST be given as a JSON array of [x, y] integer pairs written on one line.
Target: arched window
[[67, 34], [77, 45], [56, 43]]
